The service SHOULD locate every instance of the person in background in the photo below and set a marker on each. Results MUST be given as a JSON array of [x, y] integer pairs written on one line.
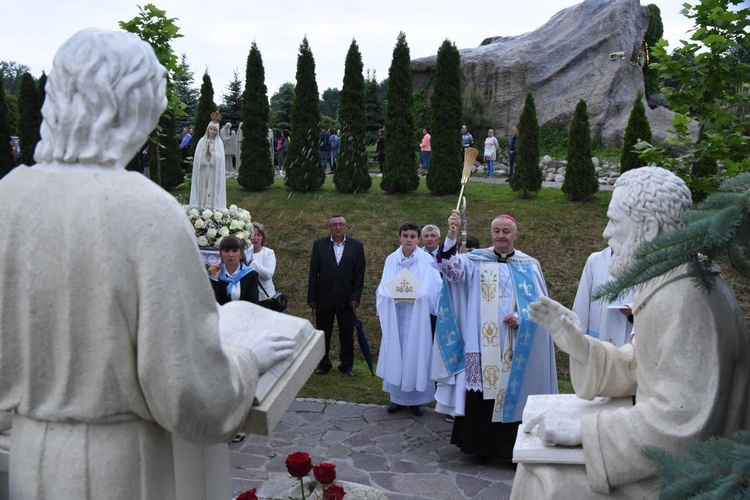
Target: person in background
[[491, 148], [512, 153], [430, 236], [608, 322], [380, 150], [406, 348], [283, 148], [334, 290], [335, 140], [426, 150], [472, 243], [185, 146], [324, 141], [467, 140], [264, 262]]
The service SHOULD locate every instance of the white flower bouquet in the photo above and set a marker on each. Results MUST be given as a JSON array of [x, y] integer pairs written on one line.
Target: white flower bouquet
[[211, 225]]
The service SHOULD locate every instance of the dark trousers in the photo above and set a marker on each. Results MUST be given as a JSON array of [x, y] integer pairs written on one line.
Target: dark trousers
[[344, 316], [475, 433]]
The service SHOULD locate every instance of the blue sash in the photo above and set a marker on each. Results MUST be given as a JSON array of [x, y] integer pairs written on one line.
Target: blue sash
[[447, 334], [232, 282]]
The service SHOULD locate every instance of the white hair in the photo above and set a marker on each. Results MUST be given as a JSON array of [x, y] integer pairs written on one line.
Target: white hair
[[656, 192], [430, 227], [104, 96]]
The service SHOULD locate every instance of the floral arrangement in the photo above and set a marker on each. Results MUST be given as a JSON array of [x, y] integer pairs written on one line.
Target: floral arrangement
[[299, 465], [213, 224]]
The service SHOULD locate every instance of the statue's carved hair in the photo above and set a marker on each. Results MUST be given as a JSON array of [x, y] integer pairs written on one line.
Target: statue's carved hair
[[657, 192], [104, 96]]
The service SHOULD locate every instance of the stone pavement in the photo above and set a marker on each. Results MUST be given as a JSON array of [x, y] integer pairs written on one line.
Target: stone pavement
[[403, 456]]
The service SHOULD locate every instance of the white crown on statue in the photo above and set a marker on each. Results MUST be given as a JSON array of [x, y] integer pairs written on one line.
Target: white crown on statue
[[404, 287]]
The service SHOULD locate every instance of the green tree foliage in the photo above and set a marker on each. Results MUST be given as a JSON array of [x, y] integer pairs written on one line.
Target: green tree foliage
[[638, 130], [231, 107], [375, 108], [709, 75], [30, 118], [203, 110], [256, 170], [399, 172], [153, 26], [281, 107], [475, 115], [6, 152], [183, 87], [11, 73], [169, 157], [351, 174], [446, 164], [329, 103], [303, 170], [527, 177], [41, 92], [580, 177], [654, 33], [422, 111]]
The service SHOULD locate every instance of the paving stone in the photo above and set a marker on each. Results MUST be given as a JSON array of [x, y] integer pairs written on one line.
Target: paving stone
[[369, 462]]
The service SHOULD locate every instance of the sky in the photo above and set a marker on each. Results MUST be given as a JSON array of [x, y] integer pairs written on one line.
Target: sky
[[217, 35]]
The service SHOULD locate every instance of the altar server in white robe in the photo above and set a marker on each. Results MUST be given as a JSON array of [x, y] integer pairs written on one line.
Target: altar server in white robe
[[688, 367], [607, 321], [488, 356], [105, 359], [406, 297]]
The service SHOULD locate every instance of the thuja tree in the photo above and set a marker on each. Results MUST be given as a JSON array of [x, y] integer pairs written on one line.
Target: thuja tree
[[30, 118], [165, 154], [203, 110], [303, 170], [446, 164], [375, 109], [653, 34], [256, 170], [6, 152], [183, 88], [41, 93], [399, 172], [580, 177], [232, 101], [527, 177], [351, 174], [637, 130], [281, 107]]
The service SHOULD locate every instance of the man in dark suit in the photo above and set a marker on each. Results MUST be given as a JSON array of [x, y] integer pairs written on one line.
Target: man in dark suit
[[334, 290]]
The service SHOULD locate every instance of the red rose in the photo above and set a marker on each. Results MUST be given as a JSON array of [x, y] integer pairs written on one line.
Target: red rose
[[299, 464], [335, 492], [325, 473], [248, 495]]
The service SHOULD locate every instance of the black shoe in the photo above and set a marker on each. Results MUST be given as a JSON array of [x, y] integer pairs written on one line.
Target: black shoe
[[347, 373], [394, 408], [416, 410], [321, 371], [480, 459]]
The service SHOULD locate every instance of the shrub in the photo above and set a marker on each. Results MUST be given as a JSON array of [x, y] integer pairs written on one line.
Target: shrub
[[527, 177], [580, 177]]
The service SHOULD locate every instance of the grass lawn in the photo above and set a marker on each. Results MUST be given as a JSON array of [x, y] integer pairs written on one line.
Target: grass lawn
[[560, 234]]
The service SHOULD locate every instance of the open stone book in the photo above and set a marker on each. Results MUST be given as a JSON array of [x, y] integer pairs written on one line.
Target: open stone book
[[530, 449], [278, 387]]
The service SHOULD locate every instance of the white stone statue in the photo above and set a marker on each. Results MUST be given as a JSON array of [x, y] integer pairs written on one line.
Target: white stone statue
[[208, 185], [229, 137], [688, 367], [109, 345]]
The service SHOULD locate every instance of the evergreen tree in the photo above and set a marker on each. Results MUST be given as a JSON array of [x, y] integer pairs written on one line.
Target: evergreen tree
[[281, 107], [637, 130], [183, 88], [303, 169], [351, 174], [166, 156], [375, 109], [30, 118], [421, 110], [654, 32], [41, 92], [231, 108], [329, 103], [11, 73], [580, 177], [203, 110], [446, 164], [399, 172], [6, 152], [476, 116], [527, 177], [256, 170]]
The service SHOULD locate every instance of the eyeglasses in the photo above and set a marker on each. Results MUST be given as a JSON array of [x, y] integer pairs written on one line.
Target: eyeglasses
[[337, 224]]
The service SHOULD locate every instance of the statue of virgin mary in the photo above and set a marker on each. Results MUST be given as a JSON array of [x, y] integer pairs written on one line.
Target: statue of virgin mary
[[209, 184]]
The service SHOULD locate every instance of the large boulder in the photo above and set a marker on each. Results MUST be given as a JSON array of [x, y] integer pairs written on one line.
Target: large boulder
[[591, 51]]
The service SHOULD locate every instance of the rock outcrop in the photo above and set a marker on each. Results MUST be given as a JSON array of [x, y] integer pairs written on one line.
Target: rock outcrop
[[591, 51]]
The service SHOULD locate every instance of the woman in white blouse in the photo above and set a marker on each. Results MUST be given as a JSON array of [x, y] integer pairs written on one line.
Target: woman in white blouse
[[264, 261]]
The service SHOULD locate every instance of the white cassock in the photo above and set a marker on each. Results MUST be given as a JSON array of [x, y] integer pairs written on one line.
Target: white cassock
[[689, 370], [109, 345], [598, 318], [406, 347]]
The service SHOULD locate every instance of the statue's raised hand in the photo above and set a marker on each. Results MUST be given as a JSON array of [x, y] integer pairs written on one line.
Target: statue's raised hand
[[562, 324], [269, 348]]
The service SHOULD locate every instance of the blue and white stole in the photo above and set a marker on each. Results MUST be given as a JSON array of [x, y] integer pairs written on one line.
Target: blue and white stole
[[235, 278], [504, 367], [447, 334]]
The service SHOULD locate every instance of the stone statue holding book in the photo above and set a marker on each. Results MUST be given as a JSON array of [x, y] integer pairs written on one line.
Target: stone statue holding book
[[688, 366], [110, 348]]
